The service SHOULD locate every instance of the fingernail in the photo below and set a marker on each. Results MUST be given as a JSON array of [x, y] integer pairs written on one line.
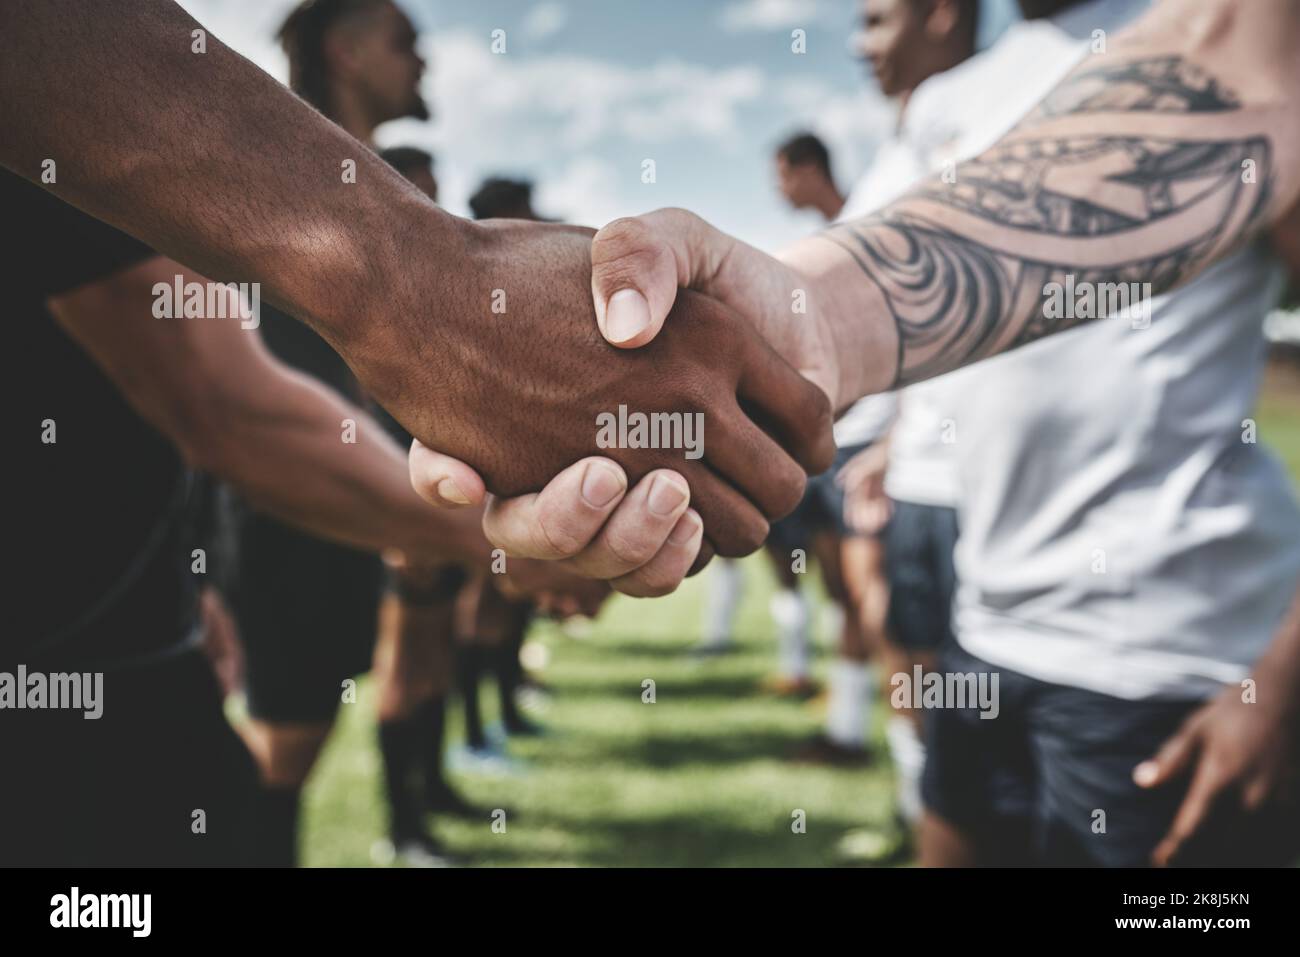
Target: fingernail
[[449, 491], [626, 314], [600, 484], [666, 496], [1145, 773], [685, 528]]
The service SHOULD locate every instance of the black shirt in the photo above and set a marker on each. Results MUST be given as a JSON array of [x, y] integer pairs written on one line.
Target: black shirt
[[99, 566]]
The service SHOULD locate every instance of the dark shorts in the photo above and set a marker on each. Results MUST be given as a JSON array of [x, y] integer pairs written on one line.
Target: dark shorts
[[1037, 783], [124, 789], [919, 542], [308, 611], [820, 510]]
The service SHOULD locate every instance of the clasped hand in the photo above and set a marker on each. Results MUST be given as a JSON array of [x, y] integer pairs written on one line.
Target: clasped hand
[[540, 365]]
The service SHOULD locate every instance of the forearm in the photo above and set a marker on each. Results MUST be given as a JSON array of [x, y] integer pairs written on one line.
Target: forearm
[[1143, 166], [298, 451], [208, 159]]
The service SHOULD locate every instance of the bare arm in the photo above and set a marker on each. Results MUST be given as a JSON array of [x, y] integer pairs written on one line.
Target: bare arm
[[232, 409], [1144, 165]]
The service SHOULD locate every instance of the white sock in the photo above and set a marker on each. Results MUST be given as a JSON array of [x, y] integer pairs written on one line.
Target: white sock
[[850, 703], [789, 609], [908, 751], [832, 625], [723, 598]]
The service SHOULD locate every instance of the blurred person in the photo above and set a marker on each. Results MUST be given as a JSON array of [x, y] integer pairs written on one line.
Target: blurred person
[[803, 175], [500, 198], [816, 529], [804, 178], [416, 165], [489, 630], [1113, 663], [904, 43]]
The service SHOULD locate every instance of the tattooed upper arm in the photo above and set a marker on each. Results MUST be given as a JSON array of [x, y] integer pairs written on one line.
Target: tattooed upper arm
[[1134, 172]]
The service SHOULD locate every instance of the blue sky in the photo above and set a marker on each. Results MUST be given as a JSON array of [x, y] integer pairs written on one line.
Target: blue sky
[[589, 89]]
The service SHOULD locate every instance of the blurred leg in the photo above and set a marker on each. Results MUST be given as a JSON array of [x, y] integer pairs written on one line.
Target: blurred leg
[[285, 754]]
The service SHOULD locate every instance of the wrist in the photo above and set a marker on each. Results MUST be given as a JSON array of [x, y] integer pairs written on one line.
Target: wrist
[[451, 536], [391, 308], [855, 318], [380, 287]]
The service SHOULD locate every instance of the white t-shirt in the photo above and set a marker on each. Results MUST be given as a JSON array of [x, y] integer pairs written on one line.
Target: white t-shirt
[[922, 461], [921, 467], [894, 168], [1117, 533]]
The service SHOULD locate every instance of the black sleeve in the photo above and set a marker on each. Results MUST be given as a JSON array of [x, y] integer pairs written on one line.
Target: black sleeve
[[51, 247]]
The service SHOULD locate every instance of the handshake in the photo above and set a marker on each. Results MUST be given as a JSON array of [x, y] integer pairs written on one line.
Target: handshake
[[624, 428]]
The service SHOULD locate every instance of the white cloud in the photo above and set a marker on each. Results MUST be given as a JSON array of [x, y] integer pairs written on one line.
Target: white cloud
[[745, 15], [545, 19], [536, 115], [588, 191], [576, 101]]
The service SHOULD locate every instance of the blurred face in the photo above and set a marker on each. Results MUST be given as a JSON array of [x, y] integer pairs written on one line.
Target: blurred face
[[893, 32], [382, 64], [799, 184]]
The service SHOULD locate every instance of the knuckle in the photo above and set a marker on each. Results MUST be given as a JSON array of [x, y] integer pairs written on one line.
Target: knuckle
[[654, 584], [630, 548], [696, 393], [787, 491], [653, 580], [560, 537], [741, 539], [676, 218], [817, 409], [618, 239]]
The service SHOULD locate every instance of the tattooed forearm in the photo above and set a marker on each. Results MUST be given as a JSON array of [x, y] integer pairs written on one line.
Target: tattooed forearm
[[1147, 194]]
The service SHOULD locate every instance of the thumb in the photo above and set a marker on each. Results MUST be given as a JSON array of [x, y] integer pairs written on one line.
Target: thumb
[[441, 480], [637, 265]]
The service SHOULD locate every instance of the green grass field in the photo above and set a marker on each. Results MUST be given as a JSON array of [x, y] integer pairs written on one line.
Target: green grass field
[[700, 777]]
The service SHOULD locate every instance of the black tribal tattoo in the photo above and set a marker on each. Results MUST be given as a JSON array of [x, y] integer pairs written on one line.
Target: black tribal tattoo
[[964, 265]]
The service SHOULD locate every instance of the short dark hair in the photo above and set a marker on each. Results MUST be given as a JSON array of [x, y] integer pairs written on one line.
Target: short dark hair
[[968, 14], [498, 197], [302, 37], [406, 158], [804, 148]]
